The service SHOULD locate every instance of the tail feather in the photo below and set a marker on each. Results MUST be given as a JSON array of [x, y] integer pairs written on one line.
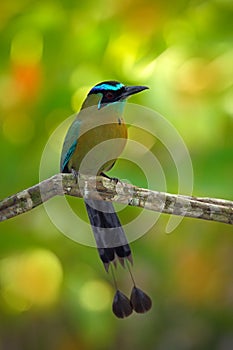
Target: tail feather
[[108, 232]]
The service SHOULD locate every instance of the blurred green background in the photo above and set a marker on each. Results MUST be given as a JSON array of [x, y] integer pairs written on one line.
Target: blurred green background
[[54, 293]]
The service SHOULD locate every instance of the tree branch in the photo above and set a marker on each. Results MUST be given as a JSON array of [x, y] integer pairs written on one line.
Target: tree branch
[[101, 188]]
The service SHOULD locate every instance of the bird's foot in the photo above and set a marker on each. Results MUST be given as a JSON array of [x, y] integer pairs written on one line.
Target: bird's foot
[[75, 175], [113, 179]]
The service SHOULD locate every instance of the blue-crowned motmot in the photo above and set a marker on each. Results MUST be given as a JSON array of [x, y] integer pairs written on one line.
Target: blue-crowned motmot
[[92, 145]]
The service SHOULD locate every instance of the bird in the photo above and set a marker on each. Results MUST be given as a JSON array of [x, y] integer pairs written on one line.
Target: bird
[[93, 143]]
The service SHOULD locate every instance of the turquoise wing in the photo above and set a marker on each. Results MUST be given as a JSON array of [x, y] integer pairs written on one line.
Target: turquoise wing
[[70, 143]]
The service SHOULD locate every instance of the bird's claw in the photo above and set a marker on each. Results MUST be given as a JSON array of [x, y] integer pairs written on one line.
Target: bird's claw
[[75, 175], [113, 179]]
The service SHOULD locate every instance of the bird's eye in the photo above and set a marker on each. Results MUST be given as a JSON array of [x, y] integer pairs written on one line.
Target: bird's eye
[[109, 95]]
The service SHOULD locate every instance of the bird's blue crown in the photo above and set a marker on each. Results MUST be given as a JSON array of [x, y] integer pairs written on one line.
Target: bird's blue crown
[[106, 86]]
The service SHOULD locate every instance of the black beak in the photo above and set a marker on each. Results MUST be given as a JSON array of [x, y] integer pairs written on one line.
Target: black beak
[[131, 90]]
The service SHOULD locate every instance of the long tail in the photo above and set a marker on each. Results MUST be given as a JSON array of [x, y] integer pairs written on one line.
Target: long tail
[[109, 235]]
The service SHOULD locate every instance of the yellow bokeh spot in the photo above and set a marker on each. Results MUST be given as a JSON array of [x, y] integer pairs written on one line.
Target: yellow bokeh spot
[[18, 129], [95, 295], [32, 278], [27, 47], [15, 301], [196, 76], [124, 51]]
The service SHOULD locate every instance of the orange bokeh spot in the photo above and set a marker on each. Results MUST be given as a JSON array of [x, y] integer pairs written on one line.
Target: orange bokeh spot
[[198, 278], [27, 80]]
